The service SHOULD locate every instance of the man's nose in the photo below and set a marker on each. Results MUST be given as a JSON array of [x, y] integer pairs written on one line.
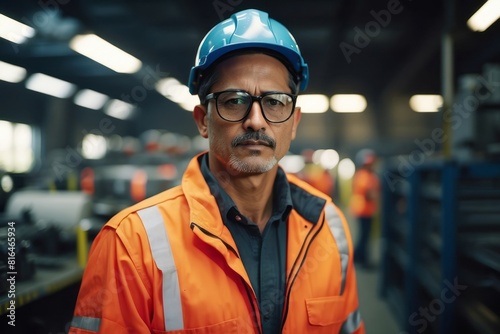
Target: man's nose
[[255, 118]]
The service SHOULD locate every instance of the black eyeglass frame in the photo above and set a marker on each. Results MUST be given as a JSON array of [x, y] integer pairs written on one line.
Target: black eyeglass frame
[[215, 96]]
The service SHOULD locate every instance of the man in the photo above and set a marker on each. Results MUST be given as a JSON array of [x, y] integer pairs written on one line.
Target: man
[[364, 203], [315, 174], [239, 246]]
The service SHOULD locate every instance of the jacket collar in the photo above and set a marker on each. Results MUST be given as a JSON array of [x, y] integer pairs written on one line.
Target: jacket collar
[[282, 200], [204, 209], [202, 204]]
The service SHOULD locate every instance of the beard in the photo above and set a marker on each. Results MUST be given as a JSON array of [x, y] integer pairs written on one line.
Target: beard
[[253, 164], [256, 166]]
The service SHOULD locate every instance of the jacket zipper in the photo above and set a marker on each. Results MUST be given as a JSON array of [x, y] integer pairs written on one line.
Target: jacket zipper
[[292, 279], [255, 311], [215, 237], [193, 225]]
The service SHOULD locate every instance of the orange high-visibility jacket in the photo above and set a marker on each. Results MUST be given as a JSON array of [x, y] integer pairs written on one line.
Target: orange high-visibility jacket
[[169, 265], [365, 193]]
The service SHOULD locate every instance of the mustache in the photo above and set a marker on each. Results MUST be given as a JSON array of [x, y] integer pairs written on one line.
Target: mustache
[[257, 136]]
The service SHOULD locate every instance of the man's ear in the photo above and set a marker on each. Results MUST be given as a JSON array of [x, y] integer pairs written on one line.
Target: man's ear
[[200, 117]]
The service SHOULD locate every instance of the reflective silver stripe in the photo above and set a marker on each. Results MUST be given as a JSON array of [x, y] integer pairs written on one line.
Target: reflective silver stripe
[[352, 323], [335, 224], [86, 323], [162, 254]]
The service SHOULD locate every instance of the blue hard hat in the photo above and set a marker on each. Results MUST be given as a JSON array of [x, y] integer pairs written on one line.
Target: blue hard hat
[[365, 156], [249, 28]]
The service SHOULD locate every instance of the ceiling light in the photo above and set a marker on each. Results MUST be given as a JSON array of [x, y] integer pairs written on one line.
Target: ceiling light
[[119, 109], [166, 85], [176, 92], [49, 85], [173, 90], [15, 31], [190, 102], [346, 169], [94, 146], [312, 103], [348, 103], [6, 135], [11, 73], [103, 52], [90, 99], [485, 16], [6, 183], [426, 103]]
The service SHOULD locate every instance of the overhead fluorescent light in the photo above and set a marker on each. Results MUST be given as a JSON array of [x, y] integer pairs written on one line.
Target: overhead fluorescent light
[[90, 99], [119, 109], [168, 87], [103, 52], [49, 85], [312, 103], [11, 73], [348, 103], [15, 31], [190, 102], [176, 92], [173, 90], [426, 102], [485, 16]]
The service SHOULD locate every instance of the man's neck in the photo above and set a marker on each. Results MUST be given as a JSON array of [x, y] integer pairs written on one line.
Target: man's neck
[[252, 194]]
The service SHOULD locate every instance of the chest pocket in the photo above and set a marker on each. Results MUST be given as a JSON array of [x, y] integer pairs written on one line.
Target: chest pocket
[[326, 311]]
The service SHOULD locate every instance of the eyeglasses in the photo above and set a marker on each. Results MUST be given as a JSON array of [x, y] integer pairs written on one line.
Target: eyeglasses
[[234, 105]]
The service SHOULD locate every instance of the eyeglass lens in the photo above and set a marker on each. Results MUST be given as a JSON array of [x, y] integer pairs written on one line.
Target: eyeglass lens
[[233, 106]]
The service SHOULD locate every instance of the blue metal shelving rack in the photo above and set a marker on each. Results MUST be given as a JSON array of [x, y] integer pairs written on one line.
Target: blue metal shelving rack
[[421, 244]]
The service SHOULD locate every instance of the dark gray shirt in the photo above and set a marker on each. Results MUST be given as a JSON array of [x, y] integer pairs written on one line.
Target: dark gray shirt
[[263, 255]]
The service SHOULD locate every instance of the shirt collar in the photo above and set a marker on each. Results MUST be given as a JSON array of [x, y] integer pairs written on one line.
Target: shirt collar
[[282, 198]]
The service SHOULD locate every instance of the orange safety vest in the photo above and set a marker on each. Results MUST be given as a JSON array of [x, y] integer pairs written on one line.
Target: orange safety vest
[[365, 193], [318, 177], [169, 265]]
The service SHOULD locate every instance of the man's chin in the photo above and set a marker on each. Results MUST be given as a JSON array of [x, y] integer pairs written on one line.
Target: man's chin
[[252, 165]]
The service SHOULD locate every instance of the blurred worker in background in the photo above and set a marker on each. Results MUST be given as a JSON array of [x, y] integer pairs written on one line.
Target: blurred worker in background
[[364, 203], [315, 174], [239, 246]]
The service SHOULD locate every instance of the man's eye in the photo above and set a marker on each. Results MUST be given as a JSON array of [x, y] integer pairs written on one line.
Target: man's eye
[[236, 101], [274, 102]]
